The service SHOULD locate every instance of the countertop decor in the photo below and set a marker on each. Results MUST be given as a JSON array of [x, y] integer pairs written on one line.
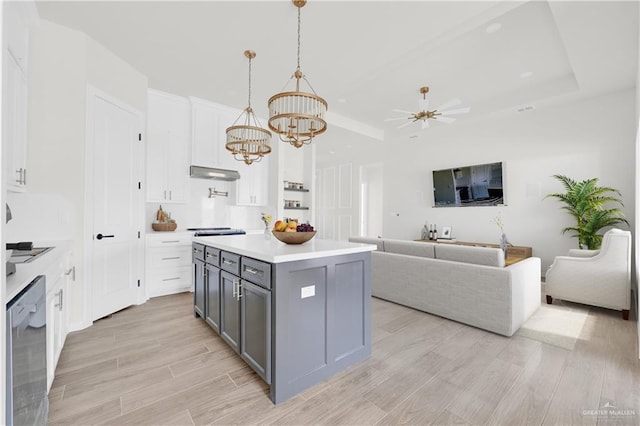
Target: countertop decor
[[294, 237]]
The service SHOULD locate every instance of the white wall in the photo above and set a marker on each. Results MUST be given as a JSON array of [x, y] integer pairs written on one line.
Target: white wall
[[63, 63], [590, 138]]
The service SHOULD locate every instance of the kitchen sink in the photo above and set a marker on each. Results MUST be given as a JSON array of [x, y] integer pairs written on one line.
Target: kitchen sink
[[24, 256]]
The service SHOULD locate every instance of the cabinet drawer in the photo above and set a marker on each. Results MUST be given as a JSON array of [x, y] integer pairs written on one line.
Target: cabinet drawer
[[167, 282], [212, 256], [256, 271], [198, 251], [169, 256], [230, 262]]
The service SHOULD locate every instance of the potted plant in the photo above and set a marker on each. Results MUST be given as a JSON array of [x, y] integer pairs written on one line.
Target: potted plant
[[587, 203]]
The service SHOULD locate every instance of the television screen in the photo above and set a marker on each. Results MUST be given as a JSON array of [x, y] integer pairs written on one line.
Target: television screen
[[478, 185]]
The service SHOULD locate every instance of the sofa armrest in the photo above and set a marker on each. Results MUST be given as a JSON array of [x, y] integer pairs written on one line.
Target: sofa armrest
[[582, 253], [526, 291]]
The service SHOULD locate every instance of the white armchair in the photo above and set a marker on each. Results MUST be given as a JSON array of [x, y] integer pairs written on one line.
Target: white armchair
[[595, 277]]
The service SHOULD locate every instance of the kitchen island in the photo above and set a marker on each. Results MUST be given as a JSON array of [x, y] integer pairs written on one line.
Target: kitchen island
[[297, 314]]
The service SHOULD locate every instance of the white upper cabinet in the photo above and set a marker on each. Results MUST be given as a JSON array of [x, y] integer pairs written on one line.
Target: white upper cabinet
[[253, 189], [17, 17], [226, 119], [168, 148], [204, 133], [209, 122]]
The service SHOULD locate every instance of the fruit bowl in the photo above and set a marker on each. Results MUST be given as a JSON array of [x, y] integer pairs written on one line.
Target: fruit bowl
[[294, 237]]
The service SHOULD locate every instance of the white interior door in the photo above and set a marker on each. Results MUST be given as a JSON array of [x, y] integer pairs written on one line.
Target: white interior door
[[371, 207], [116, 159]]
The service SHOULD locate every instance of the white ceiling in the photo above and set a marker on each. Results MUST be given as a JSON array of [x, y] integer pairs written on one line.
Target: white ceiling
[[369, 57]]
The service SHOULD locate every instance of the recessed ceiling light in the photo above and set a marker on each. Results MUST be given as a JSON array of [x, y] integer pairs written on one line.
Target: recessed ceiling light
[[332, 152], [493, 28], [526, 74], [342, 101]]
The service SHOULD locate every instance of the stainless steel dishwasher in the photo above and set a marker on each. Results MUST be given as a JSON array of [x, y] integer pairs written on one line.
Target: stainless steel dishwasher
[[26, 393]]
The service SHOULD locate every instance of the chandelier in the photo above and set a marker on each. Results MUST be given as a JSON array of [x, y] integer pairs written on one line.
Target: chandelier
[[246, 139], [297, 116]]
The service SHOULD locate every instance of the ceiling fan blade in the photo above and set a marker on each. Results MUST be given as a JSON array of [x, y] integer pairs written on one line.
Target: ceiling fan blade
[[405, 124], [456, 111], [445, 119], [425, 124], [402, 111], [423, 104], [453, 102], [399, 118]]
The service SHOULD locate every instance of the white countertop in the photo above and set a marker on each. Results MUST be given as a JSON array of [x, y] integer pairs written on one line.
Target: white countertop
[[274, 251], [27, 272]]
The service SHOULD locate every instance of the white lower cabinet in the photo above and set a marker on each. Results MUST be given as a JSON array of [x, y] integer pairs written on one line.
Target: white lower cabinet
[[169, 264], [58, 281]]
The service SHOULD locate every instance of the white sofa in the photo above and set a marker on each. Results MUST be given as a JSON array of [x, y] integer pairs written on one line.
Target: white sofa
[[463, 283], [594, 277]]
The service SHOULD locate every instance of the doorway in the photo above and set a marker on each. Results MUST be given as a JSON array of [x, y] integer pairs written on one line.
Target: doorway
[[371, 200], [114, 204]]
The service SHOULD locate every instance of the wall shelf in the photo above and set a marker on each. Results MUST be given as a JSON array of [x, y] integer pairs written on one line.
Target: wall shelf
[[297, 190], [296, 208]]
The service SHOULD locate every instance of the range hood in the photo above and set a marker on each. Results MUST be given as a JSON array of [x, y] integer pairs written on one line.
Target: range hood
[[213, 173]]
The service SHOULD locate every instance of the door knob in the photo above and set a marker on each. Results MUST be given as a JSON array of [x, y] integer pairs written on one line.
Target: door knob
[[100, 236]]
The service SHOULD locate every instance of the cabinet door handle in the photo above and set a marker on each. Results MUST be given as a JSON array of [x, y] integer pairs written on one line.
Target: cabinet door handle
[[59, 304], [228, 262], [72, 272], [171, 258], [169, 194], [100, 236], [236, 289], [171, 279], [170, 241], [22, 176], [195, 250]]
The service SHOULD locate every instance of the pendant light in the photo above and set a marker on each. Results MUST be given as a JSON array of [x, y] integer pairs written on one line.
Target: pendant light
[[297, 116], [246, 139]]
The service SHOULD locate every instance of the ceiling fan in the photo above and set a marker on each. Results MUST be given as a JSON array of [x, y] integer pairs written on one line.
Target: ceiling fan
[[441, 113]]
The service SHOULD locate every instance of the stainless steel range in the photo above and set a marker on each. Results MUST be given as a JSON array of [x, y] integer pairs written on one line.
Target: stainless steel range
[[205, 232]]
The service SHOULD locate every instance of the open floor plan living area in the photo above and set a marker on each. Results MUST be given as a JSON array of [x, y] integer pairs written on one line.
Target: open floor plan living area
[[320, 212]]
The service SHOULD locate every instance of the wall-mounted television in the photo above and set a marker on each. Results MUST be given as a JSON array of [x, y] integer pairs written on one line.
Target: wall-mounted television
[[477, 185]]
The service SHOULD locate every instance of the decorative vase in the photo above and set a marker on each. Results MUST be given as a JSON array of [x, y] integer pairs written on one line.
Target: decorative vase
[[504, 244], [267, 232]]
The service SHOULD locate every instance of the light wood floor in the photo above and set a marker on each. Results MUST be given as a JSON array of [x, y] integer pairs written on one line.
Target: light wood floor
[[157, 364]]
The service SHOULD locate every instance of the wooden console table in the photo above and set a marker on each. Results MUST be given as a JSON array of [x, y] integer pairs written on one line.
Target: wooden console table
[[514, 253]]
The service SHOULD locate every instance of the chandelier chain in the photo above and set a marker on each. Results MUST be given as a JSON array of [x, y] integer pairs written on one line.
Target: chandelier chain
[[249, 82], [299, 37]]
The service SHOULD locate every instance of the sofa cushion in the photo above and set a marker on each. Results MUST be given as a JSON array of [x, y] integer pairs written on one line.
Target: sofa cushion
[[379, 242], [487, 256], [410, 248]]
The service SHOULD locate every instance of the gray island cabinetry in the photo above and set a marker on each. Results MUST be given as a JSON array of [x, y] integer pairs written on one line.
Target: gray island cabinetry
[[297, 314]]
